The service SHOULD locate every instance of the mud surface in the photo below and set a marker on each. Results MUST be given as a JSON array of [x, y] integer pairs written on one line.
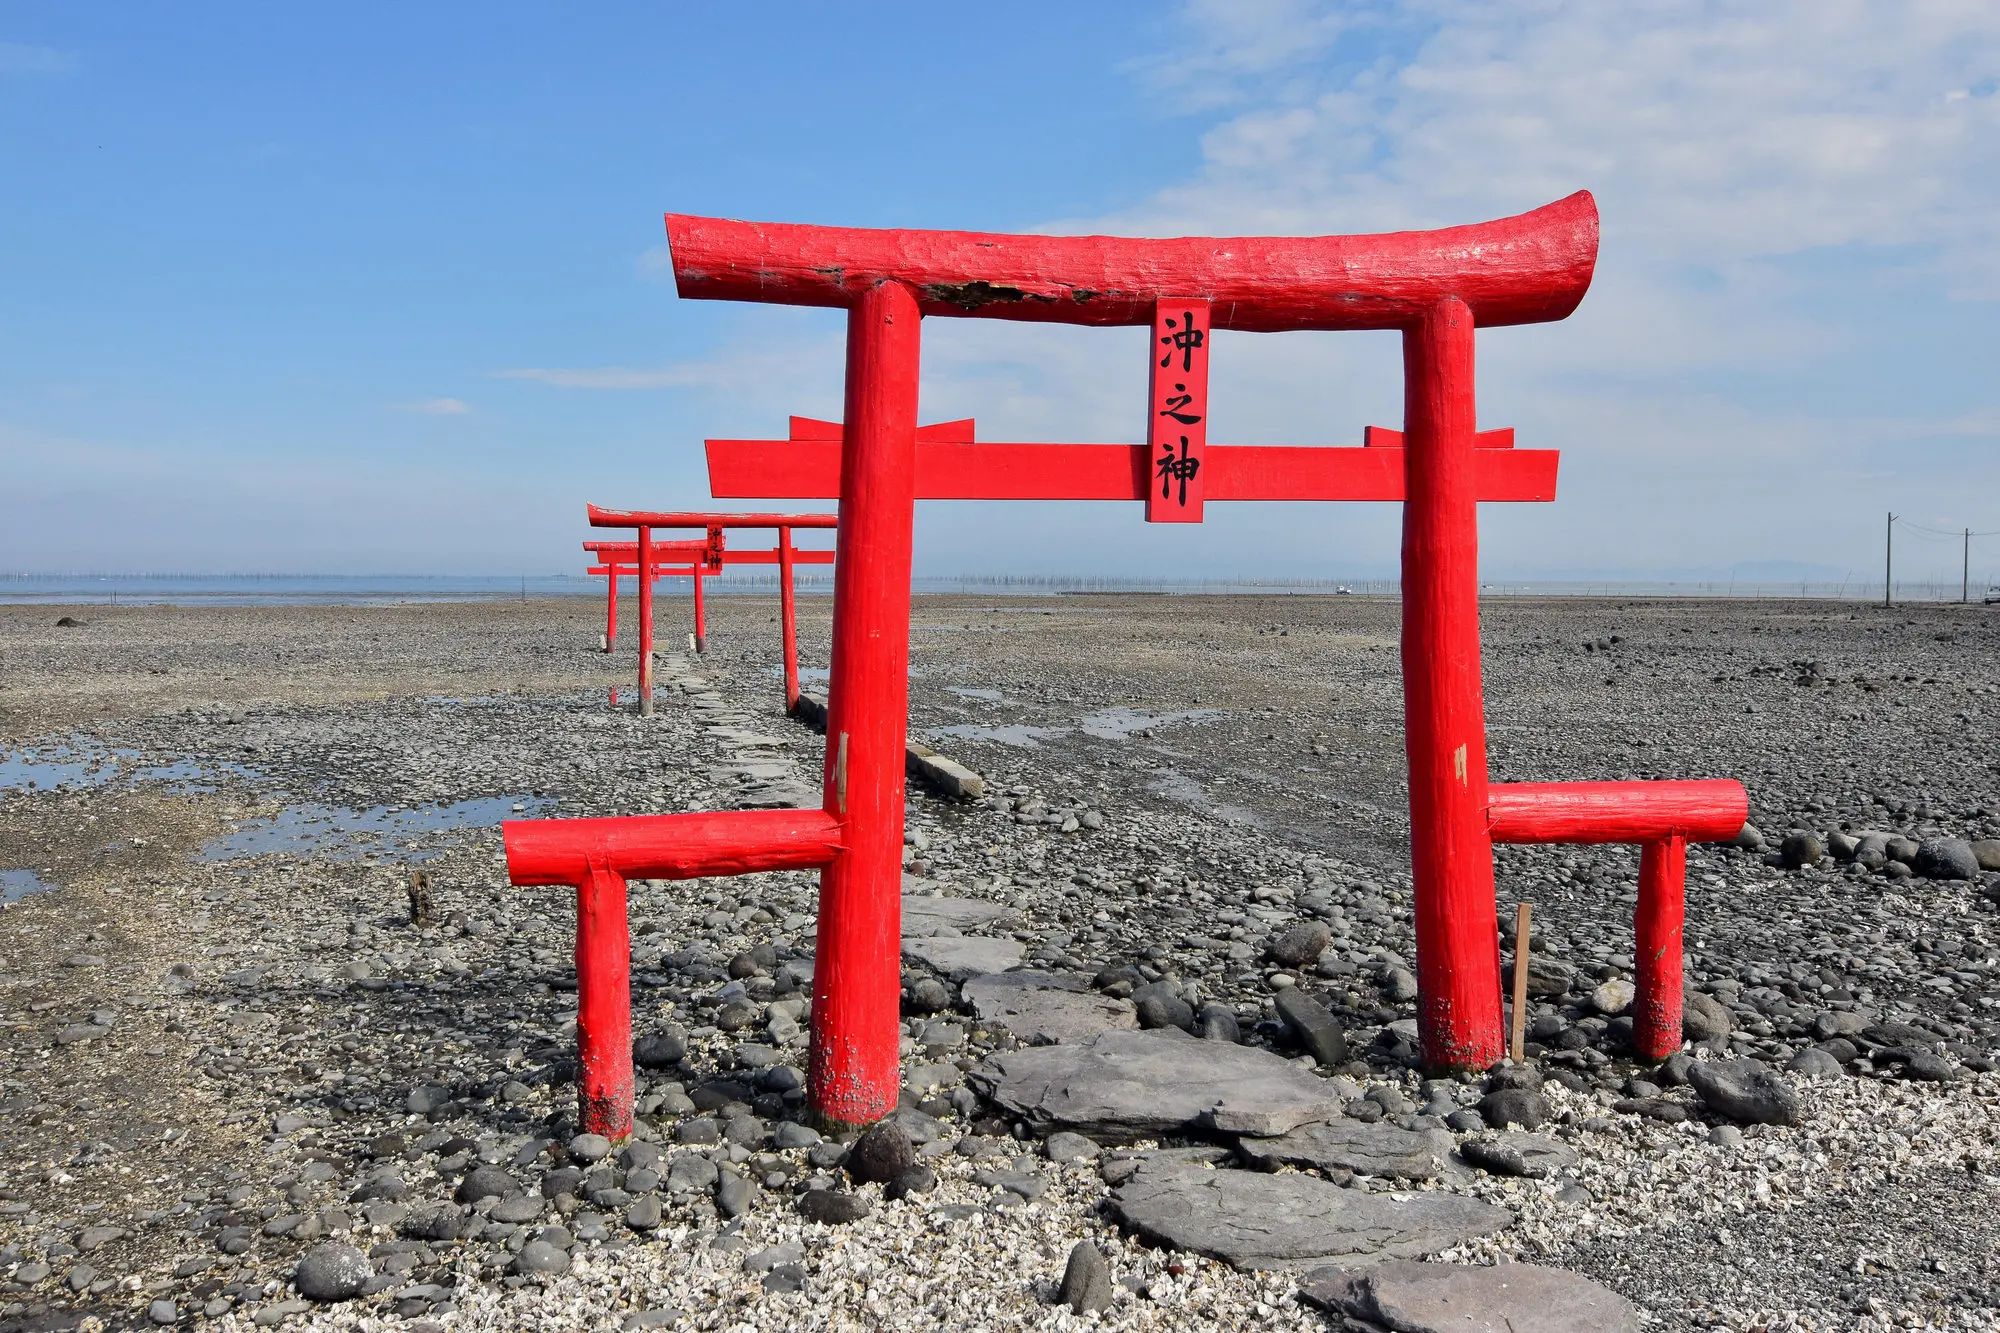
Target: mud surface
[[218, 1022]]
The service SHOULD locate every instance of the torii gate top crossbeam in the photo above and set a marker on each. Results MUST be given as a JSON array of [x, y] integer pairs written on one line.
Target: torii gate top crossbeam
[[1526, 269], [621, 518]]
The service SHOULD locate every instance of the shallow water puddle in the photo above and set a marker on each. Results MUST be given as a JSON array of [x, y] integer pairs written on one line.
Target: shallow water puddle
[[1019, 735], [1117, 724], [336, 834], [18, 884], [85, 763], [57, 766]]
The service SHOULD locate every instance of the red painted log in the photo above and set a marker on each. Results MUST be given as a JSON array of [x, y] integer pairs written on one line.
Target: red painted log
[[854, 1071], [1517, 270], [1458, 937], [1657, 924], [700, 614], [603, 1006], [788, 613], [645, 622], [728, 842], [610, 609], [618, 518], [809, 470], [1592, 812]]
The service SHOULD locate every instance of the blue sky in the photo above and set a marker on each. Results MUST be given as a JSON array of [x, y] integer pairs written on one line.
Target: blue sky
[[384, 288]]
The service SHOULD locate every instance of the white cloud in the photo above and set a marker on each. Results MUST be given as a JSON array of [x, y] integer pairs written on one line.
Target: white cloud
[[21, 58], [436, 407]]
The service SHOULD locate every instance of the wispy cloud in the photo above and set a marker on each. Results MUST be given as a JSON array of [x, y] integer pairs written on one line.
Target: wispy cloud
[[21, 58], [436, 407], [603, 377]]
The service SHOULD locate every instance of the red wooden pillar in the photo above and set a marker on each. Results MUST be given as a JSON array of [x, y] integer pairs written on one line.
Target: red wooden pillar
[[603, 1005], [700, 612], [855, 1074], [788, 614], [1458, 940], [611, 611], [645, 622], [1656, 1003]]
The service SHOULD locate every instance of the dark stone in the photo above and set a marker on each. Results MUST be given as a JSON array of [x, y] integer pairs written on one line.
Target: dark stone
[[1813, 1062], [832, 1207], [1300, 944], [1217, 1022], [1946, 858], [562, 1180], [437, 1221], [1514, 1106], [539, 1256], [1800, 849], [1516, 1154], [485, 1182], [332, 1272], [1086, 1280], [660, 1050], [1745, 1091], [1466, 1298], [1315, 1028], [916, 1180], [1165, 1011], [881, 1154], [1704, 1018]]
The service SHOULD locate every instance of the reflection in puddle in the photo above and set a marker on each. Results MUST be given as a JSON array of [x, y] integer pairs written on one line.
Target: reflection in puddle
[[18, 884], [56, 766], [335, 834], [84, 763], [805, 673], [1018, 735], [1117, 724]]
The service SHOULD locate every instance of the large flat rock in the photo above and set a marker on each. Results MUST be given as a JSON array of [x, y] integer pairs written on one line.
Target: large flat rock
[[1459, 1298], [924, 916], [1377, 1149], [963, 956], [1132, 1085], [1292, 1221], [1043, 1007]]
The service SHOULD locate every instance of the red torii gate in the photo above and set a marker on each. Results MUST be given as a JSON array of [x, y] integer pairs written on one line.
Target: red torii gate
[[713, 556], [620, 559], [1434, 288]]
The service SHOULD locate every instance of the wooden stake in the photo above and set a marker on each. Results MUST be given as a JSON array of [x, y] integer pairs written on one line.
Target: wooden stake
[[1519, 1048]]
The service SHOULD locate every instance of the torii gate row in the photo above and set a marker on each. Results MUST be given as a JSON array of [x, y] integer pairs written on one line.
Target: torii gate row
[[1434, 288], [708, 555], [621, 560]]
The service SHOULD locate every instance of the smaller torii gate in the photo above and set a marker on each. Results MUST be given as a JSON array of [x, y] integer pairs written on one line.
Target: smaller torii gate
[[621, 560], [712, 555]]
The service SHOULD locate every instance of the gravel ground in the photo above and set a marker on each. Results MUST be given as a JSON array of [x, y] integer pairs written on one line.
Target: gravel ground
[[225, 1043]]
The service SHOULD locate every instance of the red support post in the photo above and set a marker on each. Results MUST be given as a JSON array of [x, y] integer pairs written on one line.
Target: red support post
[[788, 613], [645, 622], [1656, 1002], [857, 977], [611, 612], [1458, 938], [700, 614], [603, 1005]]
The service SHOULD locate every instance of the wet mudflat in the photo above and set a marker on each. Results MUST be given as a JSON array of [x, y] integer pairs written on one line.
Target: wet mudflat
[[226, 1044]]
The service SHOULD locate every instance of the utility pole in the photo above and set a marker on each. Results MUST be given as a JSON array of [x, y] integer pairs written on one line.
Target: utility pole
[[1965, 571], [1888, 559]]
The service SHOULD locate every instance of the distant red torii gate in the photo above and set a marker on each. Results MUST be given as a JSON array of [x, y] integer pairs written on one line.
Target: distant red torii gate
[[1434, 288], [705, 558]]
